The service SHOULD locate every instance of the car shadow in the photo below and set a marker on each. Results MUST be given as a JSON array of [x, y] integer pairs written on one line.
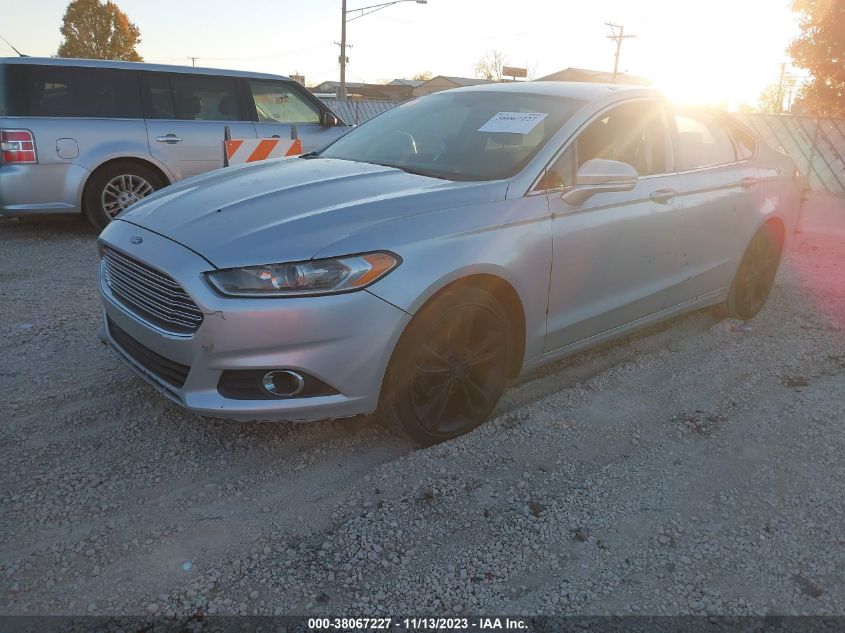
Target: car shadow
[[72, 225]]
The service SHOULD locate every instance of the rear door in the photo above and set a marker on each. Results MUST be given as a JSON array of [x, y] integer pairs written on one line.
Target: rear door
[[616, 255], [281, 105], [718, 186], [186, 117]]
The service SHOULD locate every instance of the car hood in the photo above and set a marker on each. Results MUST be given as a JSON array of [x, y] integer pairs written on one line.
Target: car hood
[[290, 209]]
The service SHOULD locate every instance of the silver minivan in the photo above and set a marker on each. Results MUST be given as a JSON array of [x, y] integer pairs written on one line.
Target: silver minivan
[[95, 137]]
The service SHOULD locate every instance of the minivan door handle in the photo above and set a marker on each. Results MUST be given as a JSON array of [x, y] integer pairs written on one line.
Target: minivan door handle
[[663, 196], [170, 138], [748, 182]]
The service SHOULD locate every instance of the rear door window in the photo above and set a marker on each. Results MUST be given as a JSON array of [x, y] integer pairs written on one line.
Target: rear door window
[[746, 146], [702, 142], [279, 102], [194, 98], [68, 91]]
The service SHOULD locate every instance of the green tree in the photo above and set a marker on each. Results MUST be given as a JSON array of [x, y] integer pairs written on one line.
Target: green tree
[[821, 50], [93, 30]]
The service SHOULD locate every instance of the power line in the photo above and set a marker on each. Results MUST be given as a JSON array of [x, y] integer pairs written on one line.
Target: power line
[[617, 37]]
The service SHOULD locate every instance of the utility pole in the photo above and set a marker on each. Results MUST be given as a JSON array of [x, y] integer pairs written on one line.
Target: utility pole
[[341, 89], [618, 38], [780, 86], [193, 60]]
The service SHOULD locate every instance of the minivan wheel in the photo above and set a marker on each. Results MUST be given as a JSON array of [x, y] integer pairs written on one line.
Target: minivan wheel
[[115, 187], [450, 366], [756, 275]]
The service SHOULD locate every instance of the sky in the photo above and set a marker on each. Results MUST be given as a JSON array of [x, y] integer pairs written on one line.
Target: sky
[[715, 51]]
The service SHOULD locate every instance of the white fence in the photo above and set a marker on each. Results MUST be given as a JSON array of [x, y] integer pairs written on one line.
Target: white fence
[[817, 145]]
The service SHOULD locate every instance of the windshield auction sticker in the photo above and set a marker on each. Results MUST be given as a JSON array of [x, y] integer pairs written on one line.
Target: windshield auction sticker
[[513, 122]]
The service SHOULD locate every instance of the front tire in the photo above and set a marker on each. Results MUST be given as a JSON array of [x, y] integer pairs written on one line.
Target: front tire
[[450, 367], [115, 187], [756, 274]]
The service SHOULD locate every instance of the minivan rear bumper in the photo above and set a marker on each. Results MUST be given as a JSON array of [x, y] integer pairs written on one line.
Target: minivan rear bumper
[[41, 188]]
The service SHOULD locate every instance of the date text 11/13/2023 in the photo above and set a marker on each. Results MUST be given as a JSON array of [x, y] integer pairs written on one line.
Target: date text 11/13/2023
[[422, 623]]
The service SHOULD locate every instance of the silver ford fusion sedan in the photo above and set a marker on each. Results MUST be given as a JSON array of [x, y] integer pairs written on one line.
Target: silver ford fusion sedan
[[416, 264]]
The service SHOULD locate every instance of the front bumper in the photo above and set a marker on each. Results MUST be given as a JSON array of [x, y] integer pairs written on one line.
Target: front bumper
[[344, 340]]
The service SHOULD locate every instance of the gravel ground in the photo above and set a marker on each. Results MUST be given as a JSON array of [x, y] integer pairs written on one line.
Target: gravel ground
[[696, 468]]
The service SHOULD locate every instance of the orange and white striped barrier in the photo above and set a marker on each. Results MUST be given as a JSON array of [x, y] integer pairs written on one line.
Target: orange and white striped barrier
[[250, 150]]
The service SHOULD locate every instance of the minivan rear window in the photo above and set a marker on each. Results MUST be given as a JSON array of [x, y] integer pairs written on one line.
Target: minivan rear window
[[73, 91], [4, 108]]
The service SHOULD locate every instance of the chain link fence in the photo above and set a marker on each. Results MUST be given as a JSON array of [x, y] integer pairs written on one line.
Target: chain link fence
[[355, 111], [816, 144]]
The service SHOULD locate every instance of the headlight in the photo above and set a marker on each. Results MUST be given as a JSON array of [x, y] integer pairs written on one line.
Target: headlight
[[313, 277]]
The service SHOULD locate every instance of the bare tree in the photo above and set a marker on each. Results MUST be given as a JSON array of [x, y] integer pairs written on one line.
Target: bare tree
[[770, 100], [490, 65], [423, 76]]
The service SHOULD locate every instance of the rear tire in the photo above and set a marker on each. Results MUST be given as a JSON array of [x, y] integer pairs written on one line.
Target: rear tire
[[115, 187], [450, 366], [756, 275]]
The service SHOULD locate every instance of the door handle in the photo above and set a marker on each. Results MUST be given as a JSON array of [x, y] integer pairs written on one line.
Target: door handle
[[748, 182], [170, 138], [663, 195]]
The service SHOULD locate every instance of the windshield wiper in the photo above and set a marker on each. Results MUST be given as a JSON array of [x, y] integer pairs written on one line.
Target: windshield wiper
[[309, 155]]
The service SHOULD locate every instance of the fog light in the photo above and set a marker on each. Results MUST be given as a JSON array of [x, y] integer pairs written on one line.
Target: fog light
[[283, 383]]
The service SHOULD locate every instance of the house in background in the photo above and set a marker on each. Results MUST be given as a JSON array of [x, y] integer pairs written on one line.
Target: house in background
[[595, 76], [396, 90], [410, 83], [443, 82]]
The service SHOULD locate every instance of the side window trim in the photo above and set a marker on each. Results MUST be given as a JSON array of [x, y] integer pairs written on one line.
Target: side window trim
[[732, 125], [247, 105], [669, 126]]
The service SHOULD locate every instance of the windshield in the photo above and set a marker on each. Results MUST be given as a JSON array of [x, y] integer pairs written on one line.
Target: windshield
[[458, 135]]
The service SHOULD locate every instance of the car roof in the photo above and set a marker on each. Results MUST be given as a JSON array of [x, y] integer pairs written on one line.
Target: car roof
[[164, 68], [581, 90]]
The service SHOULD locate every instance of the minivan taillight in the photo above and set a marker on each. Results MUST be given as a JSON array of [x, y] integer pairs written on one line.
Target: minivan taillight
[[17, 146]]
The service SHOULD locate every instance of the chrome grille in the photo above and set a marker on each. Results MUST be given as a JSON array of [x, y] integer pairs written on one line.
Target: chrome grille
[[150, 294]]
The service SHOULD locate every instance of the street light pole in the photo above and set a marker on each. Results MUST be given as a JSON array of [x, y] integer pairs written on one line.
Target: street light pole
[[341, 89]]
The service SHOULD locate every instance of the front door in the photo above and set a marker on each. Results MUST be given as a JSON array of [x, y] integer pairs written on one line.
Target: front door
[[617, 254], [186, 120]]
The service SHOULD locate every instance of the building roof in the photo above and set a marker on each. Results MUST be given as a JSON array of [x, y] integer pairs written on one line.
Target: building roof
[[411, 83], [463, 81], [335, 84], [599, 76]]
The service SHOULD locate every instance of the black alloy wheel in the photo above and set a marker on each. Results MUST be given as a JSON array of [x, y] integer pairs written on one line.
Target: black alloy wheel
[[756, 274], [450, 366]]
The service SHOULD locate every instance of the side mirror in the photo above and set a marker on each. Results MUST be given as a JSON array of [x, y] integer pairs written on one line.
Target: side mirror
[[330, 120], [600, 176]]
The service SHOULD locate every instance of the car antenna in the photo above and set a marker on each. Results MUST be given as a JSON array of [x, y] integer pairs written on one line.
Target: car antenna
[[12, 47]]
